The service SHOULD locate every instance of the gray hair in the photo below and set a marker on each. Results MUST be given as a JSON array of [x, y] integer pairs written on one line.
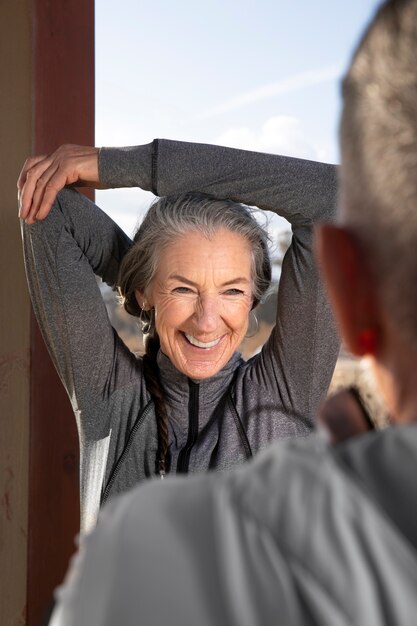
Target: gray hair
[[173, 216], [379, 157]]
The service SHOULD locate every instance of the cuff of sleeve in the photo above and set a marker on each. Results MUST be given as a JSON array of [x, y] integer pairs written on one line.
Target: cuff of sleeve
[[126, 167]]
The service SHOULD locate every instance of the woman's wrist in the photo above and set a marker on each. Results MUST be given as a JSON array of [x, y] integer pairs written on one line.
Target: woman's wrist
[[126, 167]]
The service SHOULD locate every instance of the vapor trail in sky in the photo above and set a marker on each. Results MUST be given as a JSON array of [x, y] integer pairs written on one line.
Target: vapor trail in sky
[[294, 83]]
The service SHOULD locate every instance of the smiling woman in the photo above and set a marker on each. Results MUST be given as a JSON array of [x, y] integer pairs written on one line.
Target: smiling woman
[[202, 295], [197, 267]]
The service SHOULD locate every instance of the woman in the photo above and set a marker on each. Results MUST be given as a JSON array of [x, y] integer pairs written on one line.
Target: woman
[[193, 405]]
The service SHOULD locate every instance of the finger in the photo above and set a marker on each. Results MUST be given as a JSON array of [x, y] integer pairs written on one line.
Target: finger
[[42, 184], [49, 197], [29, 186], [21, 181], [63, 171], [55, 184], [27, 165]]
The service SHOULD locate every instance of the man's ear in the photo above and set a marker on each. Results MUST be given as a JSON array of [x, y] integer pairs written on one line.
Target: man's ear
[[351, 290]]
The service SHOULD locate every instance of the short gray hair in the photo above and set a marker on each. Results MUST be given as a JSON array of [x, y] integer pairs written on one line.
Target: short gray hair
[[173, 216], [379, 157]]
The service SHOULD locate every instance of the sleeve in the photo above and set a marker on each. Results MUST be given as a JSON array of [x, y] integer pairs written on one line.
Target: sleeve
[[63, 253], [302, 191], [299, 359]]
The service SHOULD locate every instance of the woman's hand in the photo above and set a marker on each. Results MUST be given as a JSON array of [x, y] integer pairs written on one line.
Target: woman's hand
[[43, 176]]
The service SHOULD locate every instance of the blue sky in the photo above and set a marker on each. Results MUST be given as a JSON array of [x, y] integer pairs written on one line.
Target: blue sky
[[261, 75]]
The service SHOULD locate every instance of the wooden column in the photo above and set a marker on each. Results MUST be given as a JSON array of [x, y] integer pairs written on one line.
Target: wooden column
[[15, 142], [47, 84], [63, 112]]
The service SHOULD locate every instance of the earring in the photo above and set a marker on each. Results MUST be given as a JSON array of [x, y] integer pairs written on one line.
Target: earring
[[253, 326], [145, 320], [367, 341]]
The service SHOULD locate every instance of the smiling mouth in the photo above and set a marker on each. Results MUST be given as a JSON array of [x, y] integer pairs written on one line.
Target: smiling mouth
[[201, 344]]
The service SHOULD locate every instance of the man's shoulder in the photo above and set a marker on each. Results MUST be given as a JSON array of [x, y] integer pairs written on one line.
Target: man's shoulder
[[248, 544]]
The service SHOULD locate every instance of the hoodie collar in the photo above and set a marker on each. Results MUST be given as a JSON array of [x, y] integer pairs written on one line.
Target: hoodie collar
[[176, 385]]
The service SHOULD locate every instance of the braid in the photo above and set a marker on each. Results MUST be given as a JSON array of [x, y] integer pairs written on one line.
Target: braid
[[153, 384]]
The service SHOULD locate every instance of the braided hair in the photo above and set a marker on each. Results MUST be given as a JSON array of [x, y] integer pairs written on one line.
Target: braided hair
[[153, 383]]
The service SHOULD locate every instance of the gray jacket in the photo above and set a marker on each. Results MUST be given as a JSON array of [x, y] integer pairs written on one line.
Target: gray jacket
[[219, 422], [306, 534]]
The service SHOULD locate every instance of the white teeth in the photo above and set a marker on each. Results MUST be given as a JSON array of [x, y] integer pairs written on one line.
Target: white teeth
[[200, 344]]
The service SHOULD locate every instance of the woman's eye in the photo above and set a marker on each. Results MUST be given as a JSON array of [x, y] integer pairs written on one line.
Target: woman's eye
[[234, 292], [182, 290]]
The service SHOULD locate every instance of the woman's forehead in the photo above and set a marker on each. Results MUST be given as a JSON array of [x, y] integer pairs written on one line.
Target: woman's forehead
[[224, 251], [220, 240]]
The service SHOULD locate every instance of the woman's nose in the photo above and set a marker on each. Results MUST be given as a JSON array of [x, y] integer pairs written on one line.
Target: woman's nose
[[207, 313]]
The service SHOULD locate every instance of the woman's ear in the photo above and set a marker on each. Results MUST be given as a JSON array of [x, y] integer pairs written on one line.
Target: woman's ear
[[141, 300], [351, 289]]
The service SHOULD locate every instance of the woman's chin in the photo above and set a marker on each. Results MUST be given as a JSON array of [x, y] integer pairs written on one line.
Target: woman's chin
[[203, 365], [200, 370]]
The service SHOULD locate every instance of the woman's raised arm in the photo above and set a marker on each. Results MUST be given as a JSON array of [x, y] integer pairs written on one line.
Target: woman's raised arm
[[302, 191], [276, 183]]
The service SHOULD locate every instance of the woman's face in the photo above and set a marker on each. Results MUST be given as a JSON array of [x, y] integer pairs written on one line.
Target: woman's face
[[202, 295]]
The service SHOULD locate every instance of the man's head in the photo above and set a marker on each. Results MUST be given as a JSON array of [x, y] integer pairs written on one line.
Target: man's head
[[370, 261]]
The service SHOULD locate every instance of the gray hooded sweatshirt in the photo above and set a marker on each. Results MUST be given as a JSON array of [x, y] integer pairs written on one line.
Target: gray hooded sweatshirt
[[215, 423]]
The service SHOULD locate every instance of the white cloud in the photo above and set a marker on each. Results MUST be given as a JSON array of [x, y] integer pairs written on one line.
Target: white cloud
[[294, 83], [281, 134]]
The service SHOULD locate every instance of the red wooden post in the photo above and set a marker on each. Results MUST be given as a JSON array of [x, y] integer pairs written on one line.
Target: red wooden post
[[63, 112]]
